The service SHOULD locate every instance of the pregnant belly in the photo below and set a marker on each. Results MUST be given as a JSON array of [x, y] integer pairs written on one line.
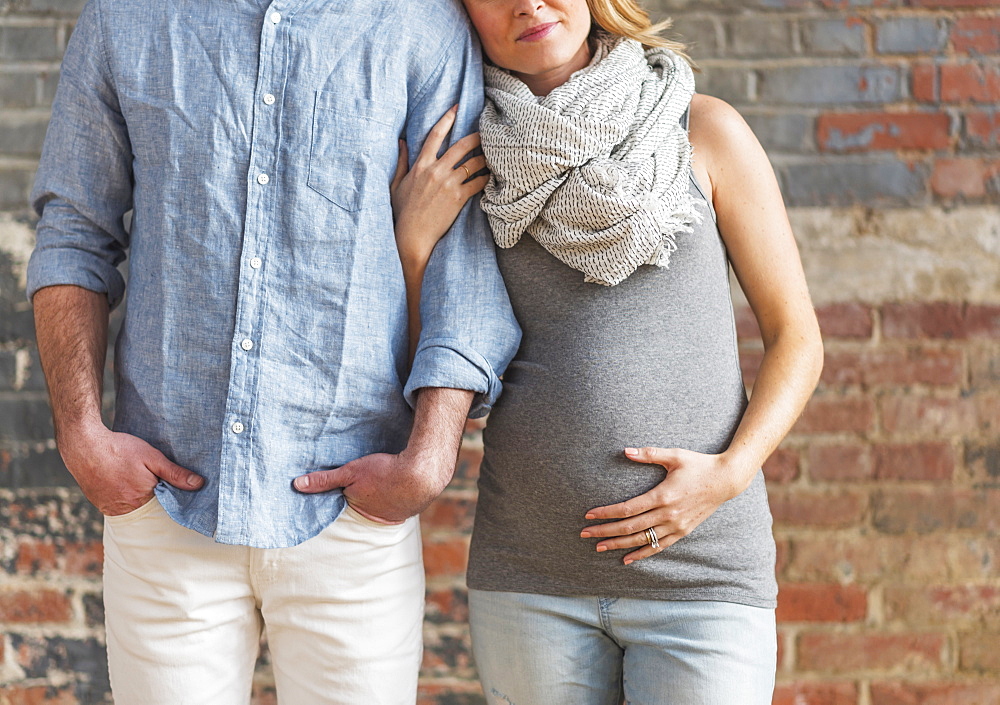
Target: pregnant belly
[[555, 440]]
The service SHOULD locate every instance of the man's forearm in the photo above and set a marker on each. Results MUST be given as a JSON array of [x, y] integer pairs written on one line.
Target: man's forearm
[[437, 426], [71, 325]]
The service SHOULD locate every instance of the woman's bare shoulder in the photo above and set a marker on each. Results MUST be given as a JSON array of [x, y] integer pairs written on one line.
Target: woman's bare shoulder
[[720, 135]]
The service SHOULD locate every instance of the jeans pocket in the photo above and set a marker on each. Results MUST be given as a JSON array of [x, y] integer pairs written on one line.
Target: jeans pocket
[[134, 515]]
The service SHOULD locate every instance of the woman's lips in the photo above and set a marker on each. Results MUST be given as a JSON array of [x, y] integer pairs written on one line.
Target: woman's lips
[[537, 32]]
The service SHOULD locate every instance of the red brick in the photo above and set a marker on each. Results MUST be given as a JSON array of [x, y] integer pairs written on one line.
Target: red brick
[[450, 511], [983, 321], [941, 417], [36, 695], [264, 694], [943, 605], [926, 511], [970, 82], [936, 319], [925, 83], [35, 556], [839, 462], [86, 559], [976, 34], [447, 605], [968, 177], [445, 556], [846, 653], [984, 367], [815, 694], [896, 693], [884, 367], [798, 507], [750, 365], [914, 461], [953, 3], [978, 652], [799, 602], [448, 690], [834, 414], [982, 129], [863, 132], [24, 606], [780, 561], [782, 466], [467, 469], [845, 320], [934, 559], [746, 324]]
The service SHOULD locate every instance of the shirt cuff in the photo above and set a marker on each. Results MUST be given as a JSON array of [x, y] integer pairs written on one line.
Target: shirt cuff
[[60, 266], [447, 363]]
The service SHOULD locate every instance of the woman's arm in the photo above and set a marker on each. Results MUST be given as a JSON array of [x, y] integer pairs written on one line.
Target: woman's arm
[[765, 258], [425, 202]]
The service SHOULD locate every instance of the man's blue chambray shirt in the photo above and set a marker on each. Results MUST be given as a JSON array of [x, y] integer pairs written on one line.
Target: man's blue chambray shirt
[[265, 332]]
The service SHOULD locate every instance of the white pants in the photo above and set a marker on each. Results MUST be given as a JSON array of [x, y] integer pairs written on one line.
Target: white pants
[[184, 614]]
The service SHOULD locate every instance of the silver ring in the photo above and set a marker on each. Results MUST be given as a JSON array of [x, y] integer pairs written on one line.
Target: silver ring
[[651, 535]]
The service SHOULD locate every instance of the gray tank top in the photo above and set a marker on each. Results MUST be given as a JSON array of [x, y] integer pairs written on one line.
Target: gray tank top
[[650, 362]]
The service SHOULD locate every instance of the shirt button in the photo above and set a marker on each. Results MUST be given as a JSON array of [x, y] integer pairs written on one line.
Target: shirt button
[[268, 99], [255, 262], [263, 179], [275, 17], [246, 344], [237, 427]]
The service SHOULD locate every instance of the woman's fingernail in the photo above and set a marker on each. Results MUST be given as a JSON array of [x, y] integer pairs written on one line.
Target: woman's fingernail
[[631, 451], [602, 549], [590, 516], [585, 534], [627, 561], [302, 482]]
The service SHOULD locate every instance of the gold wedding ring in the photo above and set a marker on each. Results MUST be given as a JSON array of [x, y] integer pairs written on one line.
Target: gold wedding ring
[[651, 535], [468, 174]]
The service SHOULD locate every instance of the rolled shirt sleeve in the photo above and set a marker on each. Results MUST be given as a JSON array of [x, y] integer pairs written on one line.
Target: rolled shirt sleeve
[[83, 188], [469, 333]]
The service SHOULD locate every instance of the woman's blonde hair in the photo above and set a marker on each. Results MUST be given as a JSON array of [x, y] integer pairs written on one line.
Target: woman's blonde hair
[[626, 19]]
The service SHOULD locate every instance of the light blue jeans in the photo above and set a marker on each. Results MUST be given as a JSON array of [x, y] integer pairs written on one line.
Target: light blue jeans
[[548, 650]]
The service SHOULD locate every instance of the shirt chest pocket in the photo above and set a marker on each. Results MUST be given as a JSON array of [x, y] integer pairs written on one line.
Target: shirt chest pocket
[[353, 151]]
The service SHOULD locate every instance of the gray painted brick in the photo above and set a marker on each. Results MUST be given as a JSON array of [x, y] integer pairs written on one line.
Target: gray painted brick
[[760, 37], [25, 419], [8, 367], [50, 81], [826, 85], [886, 182], [15, 184], [22, 134], [785, 132], [728, 84], [833, 37], [910, 35], [31, 469], [70, 8], [18, 90], [700, 36], [29, 44]]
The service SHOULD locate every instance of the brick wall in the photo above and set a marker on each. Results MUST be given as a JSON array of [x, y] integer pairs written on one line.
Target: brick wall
[[882, 120]]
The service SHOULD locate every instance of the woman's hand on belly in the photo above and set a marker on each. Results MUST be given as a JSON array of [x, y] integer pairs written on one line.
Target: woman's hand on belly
[[695, 486]]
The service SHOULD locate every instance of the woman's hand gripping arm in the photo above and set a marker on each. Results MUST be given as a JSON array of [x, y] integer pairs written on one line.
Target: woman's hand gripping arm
[[425, 202]]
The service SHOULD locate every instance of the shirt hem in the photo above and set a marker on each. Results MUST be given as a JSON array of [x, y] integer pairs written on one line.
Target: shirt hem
[[679, 594]]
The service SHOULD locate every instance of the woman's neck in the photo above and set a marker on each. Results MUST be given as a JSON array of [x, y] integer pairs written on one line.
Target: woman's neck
[[545, 82]]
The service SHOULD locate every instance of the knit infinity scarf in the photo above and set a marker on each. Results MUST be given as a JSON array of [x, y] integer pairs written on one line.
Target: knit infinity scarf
[[597, 170]]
